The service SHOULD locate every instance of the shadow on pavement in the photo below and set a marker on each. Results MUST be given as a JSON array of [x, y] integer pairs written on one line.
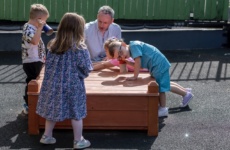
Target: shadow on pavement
[[206, 71], [14, 135]]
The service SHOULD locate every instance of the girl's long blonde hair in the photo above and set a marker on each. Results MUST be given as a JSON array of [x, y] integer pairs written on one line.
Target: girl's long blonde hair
[[70, 34], [111, 44]]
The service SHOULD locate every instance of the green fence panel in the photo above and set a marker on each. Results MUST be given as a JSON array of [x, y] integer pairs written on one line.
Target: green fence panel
[[222, 10], [163, 10], [81, 8], [198, 9], [8, 9], [18, 10], [169, 12], [149, 10], [145, 10], [225, 10], [211, 11], [133, 9], [27, 10], [157, 9], [122, 9], [61, 8], [78, 7], [115, 6], [139, 8], [219, 9], [121, 12], [72, 5], [92, 10], [2, 9], [190, 6], [15, 10], [182, 13], [187, 9]]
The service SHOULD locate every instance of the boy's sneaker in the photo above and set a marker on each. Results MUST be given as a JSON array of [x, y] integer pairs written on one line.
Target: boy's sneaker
[[186, 99], [47, 140], [189, 90], [81, 144], [163, 112], [25, 109]]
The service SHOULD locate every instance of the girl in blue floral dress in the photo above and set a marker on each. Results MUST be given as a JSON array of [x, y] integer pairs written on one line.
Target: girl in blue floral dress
[[63, 94]]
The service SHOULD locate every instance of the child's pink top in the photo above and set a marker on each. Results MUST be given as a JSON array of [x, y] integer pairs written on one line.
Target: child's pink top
[[115, 62]]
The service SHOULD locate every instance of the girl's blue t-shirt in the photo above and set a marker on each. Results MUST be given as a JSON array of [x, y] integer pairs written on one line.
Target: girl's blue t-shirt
[[151, 57]]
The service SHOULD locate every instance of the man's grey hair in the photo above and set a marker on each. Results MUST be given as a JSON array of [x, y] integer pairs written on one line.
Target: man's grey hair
[[107, 10]]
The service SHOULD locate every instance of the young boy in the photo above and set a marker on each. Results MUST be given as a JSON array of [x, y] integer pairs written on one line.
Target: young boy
[[148, 56], [33, 48]]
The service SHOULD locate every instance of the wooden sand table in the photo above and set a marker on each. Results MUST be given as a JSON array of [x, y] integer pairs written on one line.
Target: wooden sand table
[[112, 103]]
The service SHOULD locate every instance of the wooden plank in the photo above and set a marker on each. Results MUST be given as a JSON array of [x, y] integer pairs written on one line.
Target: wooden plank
[[113, 83], [117, 103], [116, 118], [97, 93]]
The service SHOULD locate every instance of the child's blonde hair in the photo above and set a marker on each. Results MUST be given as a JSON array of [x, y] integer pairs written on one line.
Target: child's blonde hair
[[38, 10], [70, 34], [111, 44]]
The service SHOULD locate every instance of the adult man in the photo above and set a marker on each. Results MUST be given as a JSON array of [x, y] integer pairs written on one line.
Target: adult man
[[98, 31]]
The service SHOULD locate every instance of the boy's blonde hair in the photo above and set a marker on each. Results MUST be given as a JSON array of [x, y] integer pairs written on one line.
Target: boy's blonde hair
[[38, 10], [70, 34]]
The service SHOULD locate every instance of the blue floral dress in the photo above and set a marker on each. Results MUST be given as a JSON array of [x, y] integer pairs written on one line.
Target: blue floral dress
[[62, 95]]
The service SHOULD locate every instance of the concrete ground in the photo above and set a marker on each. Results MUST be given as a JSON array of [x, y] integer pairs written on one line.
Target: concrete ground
[[204, 125]]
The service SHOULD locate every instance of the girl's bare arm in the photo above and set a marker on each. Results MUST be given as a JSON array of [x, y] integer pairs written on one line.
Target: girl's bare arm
[[102, 65]]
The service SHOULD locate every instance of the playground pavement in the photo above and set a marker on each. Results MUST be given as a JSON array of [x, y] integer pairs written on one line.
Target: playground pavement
[[203, 125]]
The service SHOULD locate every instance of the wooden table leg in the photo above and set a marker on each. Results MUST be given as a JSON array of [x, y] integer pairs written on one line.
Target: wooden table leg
[[33, 119], [153, 116], [153, 109]]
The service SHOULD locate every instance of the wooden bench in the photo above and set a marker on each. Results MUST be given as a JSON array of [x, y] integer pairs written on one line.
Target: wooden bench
[[112, 103]]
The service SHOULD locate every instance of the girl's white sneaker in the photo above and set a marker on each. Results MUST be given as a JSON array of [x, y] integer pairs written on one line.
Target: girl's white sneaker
[[81, 144], [47, 140]]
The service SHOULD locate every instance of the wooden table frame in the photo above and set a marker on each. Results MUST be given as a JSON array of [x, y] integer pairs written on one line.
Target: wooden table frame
[[112, 103]]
